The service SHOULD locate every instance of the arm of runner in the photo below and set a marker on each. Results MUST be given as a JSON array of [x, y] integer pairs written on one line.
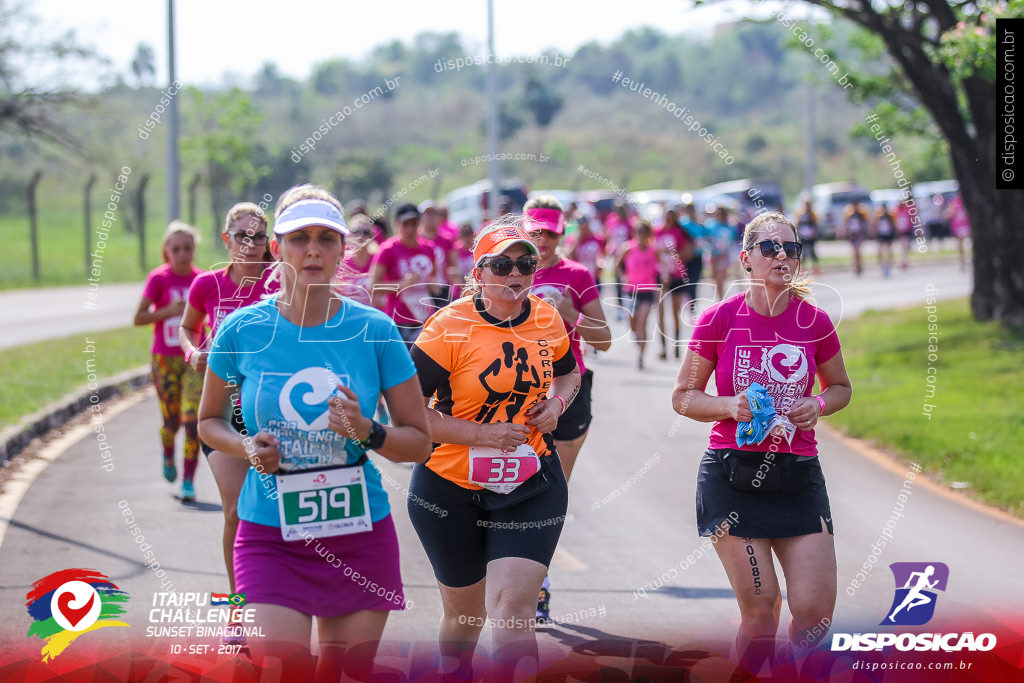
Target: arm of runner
[[189, 333], [408, 438], [447, 429], [593, 327], [216, 431], [544, 416], [836, 394], [379, 285], [690, 399], [144, 316]]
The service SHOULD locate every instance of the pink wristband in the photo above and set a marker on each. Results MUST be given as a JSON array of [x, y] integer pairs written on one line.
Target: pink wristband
[[821, 402], [562, 401]]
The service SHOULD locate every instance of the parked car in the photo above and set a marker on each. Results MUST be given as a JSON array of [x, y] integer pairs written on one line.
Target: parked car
[[829, 200], [933, 199], [752, 194], [470, 204]]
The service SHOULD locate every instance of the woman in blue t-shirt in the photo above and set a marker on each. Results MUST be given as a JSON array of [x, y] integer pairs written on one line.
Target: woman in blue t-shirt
[[315, 536]]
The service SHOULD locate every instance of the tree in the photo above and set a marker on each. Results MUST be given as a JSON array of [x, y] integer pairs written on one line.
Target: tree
[[945, 57], [31, 104], [542, 102], [144, 64], [222, 131]]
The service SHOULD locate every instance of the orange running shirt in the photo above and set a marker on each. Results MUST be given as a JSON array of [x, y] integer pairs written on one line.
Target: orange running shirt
[[488, 370]]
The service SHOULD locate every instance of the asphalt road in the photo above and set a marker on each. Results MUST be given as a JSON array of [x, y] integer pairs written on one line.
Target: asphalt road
[[617, 577]]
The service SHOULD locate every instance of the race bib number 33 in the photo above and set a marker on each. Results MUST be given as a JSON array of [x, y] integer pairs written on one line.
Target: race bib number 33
[[502, 471], [323, 503]]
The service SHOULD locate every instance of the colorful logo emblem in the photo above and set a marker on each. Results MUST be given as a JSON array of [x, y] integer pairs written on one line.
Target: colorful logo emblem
[[916, 586], [69, 603]]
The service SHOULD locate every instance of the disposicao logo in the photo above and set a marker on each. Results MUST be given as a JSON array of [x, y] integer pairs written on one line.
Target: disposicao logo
[[916, 583], [914, 605], [70, 603]]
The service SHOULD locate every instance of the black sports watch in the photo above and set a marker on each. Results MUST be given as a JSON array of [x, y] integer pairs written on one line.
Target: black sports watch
[[375, 439]]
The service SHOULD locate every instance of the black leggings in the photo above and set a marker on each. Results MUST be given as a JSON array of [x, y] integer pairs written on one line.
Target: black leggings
[[460, 538]]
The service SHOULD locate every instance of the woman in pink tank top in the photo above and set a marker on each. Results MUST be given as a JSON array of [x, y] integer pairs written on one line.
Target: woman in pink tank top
[[638, 260]]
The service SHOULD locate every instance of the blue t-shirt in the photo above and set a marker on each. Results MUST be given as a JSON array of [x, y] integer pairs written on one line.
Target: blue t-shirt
[[697, 231], [287, 373]]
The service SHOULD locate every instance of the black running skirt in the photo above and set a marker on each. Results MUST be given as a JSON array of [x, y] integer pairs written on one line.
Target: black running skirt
[[796, 508]]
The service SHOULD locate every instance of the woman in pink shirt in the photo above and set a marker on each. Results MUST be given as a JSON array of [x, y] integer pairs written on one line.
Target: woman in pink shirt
[[767, 497], [638, 259], [178, 385], [212, 297]]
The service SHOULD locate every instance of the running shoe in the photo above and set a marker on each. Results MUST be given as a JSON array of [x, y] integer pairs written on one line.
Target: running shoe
[[544, 603], [170, 471], [663, 355], [188, 492]]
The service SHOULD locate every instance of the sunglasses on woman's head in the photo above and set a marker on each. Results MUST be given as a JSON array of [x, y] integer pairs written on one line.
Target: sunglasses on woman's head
[[771, 249], [502, 265]]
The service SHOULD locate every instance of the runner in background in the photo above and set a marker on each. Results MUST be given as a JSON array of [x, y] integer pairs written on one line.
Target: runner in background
[[212, 296], [722, 237], [808, 230], [618, 229], [855, 230], [309, 382], [960, 227], [768, 496], [360, 248], [178, 385], [570, 288], [587, 247], [499, 365], [885, 233], [444, 255], [904, 232], [445, 226], [464, 250], [675, 248], [695, 266], [638, 263], [401, 272]]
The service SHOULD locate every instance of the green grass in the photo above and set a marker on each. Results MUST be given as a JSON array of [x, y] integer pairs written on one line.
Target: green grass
[[38, 374], [976, 426], [62, 254]]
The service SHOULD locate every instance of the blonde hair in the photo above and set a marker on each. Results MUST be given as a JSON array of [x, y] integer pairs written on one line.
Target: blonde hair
[[543, 201], [509, 220], [177, 228], [800, 283], [306, 191]]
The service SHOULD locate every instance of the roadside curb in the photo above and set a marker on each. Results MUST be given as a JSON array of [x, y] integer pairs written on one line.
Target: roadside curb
[[15, 438]]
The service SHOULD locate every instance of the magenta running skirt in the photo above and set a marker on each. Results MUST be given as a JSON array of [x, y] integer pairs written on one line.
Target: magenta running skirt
[[328, 577]]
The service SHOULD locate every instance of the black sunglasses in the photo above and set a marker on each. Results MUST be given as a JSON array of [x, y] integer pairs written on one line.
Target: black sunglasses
[[243, 237], [771, 249], [502, 265]]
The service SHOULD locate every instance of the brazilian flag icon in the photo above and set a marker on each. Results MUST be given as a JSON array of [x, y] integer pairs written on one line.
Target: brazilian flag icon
[[237, 599]]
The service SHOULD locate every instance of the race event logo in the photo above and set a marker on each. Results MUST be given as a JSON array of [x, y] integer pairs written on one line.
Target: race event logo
[[71, 603], [916, 583], [914, 605]]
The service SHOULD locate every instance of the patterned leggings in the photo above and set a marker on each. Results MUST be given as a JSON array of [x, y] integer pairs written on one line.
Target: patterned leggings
[[178, 387]]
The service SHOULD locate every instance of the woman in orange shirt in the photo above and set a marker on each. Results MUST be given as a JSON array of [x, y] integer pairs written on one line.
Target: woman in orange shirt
[[490, 502]]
